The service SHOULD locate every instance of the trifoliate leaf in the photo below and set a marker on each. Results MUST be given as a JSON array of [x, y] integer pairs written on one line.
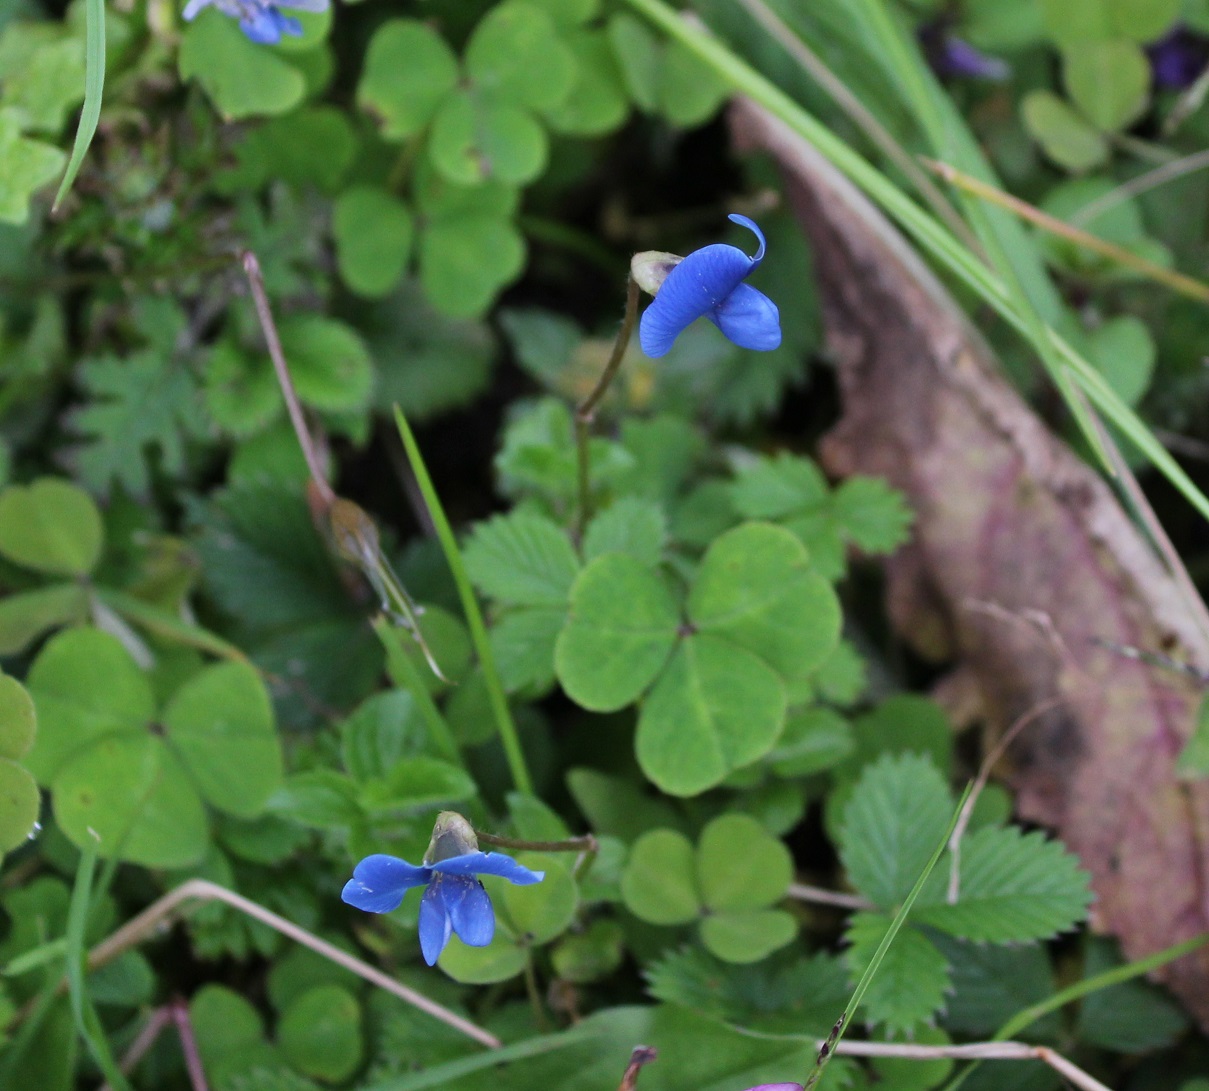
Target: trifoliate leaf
[[911, 981], [1014, 887], [1109, 80], [466, 260], [409, 69], [1063, 135], [755, 588], [516, 55], [139, 404], [747, 935], [871, 514], [50, 525], [715, 708], [740, 865], [523, 560], [630, 525], [659, 883], [597, 102], [373, 233], [894, 820], [320, 1033], [622, 626], [476, 137], [813, 740]]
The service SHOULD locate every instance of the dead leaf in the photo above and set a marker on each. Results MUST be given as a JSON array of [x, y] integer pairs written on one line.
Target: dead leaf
[[1022, 565]]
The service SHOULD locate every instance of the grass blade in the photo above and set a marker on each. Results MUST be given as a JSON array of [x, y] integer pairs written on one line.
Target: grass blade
[[94, 87]]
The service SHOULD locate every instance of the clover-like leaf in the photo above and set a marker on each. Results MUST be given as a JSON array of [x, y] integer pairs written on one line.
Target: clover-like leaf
[[659, 883], [714, 709], [20, 802], [1109, 80], [25, 167], [517, 55], [756, 588], [373, 233], [50, 526], [243, 79], [320, 1033], [747, 936], [18, 721], [740, 865], [409, 69], [522, 559], [476, 137], [622, 626]]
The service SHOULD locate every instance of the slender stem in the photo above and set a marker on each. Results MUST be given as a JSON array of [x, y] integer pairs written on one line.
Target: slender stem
[[585, 414], [1139, 185], [863, 117], [143, 1041], [505, 726], [193, 1061], [1177, 282], [535, 997], [818, 895], [587, 843], [265, 313], [147, 923]]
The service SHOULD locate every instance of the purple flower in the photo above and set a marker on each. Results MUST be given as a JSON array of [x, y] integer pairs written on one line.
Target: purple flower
[[952, 56], [455, 900], [709, 283], [1178, 58], [260, 20]]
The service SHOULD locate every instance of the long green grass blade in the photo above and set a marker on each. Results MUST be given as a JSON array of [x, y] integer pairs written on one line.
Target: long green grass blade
[[87, 1023], [505, 726], [900, 918], [932, 237], [94, 88]]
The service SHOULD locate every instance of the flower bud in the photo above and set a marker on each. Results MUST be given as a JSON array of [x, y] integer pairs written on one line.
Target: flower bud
[[650, 268], [452, 836]]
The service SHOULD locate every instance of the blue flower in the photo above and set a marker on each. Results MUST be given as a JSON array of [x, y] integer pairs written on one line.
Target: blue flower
[[709, 283], [260, 20], [454, 901]]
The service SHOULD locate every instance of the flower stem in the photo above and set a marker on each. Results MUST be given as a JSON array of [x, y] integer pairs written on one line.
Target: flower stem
[[585, 414], [587, 843], [640, 1056]]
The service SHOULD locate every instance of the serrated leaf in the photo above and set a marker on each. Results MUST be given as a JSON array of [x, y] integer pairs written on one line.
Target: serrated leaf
[[1130, 1017], [384, 729], [522, 560], [373, 233], [740, 865], [1015, 887], [659, 883], [52, 526], [408, 71], [524, 643], [243, 79], [991, 984], [777, 487], [517, 55], [622, 627], [898, 812], [417, 783], [755, 588], [715, 708], [630, 525], [138, 404], [872, 514], [28, 165], [912, 980]]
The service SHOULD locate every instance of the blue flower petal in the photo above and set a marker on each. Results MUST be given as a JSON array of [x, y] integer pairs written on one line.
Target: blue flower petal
[[489, 863], [750, 319], [469, 909], [379, 883], [435, 924], [702, 284], [261, 25]]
